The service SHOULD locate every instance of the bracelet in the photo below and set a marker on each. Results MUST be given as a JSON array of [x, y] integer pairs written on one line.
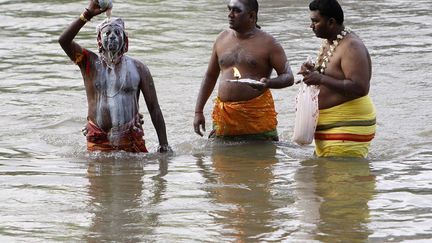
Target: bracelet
[[198, 112], [83, 18]]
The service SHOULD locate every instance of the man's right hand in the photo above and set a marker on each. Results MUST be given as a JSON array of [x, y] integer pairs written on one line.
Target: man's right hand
[[306, 68], [94, 8], [199, 120]]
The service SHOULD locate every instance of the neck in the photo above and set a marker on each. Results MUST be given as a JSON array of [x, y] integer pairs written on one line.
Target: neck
[[249, 33], [111, 58], [335, 33]]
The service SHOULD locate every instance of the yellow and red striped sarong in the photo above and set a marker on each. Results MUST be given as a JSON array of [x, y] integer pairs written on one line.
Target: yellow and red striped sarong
[[346, 130], [253, 119]]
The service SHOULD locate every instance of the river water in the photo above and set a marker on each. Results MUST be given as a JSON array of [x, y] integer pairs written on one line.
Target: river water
[[52, 190]]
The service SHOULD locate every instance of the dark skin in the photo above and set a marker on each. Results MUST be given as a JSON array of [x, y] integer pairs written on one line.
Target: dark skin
[[139, 79], [349, 70], [253, 52]]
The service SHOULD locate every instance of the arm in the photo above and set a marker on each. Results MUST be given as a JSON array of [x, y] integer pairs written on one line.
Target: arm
[[280, 63], [355, 65], [149, 91], [206, 89], [66, 38]]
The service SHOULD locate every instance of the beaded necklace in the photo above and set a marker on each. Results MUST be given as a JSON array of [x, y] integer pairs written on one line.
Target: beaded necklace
[[323, 58]]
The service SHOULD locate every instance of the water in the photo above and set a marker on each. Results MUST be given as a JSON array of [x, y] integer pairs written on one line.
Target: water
[[52, 190]]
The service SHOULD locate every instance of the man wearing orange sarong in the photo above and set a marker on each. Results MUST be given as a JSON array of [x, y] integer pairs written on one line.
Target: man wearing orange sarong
[[243, 59], [128, 137], [252, 119]]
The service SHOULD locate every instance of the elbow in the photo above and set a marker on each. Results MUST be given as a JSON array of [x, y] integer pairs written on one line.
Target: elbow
[[289, 80], [61, 41], [155, 112], [360, 92]]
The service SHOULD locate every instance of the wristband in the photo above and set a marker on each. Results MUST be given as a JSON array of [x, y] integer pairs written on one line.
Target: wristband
[[83, 18]]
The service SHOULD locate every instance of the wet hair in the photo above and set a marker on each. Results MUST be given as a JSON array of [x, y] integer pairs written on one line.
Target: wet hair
[[329, 9], [252, 5]]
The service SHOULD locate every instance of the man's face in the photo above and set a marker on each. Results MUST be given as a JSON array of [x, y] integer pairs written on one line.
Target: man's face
[[318, 24], [237, 14], [112, 38]]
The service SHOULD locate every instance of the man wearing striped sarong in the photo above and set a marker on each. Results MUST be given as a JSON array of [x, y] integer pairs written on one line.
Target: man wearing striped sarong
[[343, 70]]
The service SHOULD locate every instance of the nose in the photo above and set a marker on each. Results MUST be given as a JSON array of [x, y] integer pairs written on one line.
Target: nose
[[231, 14]]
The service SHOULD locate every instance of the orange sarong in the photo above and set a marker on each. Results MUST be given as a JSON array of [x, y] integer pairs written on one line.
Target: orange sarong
[[128, 137], [252, 119]]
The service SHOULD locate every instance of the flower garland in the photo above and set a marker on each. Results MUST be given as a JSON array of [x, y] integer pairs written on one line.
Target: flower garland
[[322, 59]]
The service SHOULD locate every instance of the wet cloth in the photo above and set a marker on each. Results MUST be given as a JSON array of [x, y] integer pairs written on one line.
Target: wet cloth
[[128, 137], [254, 119], [346, 130]]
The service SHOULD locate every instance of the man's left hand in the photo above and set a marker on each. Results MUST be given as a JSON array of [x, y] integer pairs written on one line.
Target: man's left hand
[[264, 82]]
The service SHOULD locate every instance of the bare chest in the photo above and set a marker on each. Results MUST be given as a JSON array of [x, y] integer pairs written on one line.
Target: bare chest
[[122, 80], [236, 55]]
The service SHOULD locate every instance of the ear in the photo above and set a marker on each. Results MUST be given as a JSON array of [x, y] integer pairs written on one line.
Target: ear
[[252, 15], [126, 42], [331, 21], [99, 42]]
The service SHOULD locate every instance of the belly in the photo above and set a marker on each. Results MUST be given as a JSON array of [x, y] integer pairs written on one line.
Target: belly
[[116, 111], [229, 92], [328, 98]]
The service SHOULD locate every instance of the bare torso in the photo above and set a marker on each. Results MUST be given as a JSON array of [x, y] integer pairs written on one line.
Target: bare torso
[[250, 56], [113, 94], [328, 97]]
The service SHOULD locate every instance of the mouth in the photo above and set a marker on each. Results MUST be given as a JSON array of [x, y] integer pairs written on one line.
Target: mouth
[[113, 46]]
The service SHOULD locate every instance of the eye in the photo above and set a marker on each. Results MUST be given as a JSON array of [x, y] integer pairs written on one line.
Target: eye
[[234, 9], [117, 32]]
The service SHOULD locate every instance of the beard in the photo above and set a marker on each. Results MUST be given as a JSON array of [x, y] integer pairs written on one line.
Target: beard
[[112, 52], [112, 46]]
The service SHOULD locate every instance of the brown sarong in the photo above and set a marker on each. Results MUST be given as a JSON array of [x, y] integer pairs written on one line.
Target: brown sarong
[[128, 137]]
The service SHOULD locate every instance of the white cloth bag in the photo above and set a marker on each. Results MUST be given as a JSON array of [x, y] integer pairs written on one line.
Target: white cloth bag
[[306, 114]]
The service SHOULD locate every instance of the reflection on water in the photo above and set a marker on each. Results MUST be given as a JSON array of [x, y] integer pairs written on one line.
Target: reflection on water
[[244, 184], [52, 190], [343, 187], [121, 211]]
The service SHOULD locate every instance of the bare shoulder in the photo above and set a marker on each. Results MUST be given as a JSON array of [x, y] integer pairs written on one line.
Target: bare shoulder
[[268, 39], [354, 44], [90, 53], [222, 37], [141, 67], [223, 34]]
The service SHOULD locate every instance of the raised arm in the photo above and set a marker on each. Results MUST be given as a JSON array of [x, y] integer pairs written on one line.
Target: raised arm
[[66, 38], [149, 91], [207, 87]]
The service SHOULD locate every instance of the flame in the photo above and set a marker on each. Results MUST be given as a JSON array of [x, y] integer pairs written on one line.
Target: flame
[[237, 74]]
